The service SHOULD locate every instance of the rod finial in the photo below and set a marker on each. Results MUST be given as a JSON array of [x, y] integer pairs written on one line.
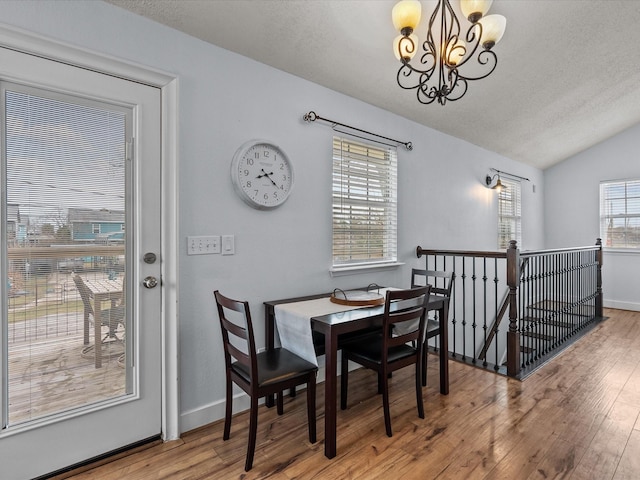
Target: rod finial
[[310, 117]]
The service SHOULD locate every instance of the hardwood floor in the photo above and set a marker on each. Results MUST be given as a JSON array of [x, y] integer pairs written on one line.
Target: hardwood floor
[[575, 418]]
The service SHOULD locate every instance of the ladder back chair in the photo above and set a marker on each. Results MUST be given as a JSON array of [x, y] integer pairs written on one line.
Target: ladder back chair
[[390, 351], [441, 284], [259, 374]]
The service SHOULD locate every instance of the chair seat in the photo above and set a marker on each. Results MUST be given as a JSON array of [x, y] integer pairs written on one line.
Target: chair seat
[[113, 313], [275, 366], [372, 350]]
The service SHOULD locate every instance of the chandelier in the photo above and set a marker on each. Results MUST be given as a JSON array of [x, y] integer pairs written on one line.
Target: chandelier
[[448, 60]]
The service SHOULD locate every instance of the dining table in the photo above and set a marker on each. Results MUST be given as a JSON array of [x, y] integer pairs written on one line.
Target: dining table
[[331, 324], [100, 290]]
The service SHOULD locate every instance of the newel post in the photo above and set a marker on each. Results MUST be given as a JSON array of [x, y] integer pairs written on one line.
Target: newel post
[[599, 306], [513, 336]]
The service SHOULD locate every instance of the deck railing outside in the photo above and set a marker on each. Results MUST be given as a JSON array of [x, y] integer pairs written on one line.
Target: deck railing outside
[[512, 310], [42, 300]]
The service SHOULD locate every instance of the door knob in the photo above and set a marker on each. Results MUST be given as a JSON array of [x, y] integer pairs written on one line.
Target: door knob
[[150, 282]]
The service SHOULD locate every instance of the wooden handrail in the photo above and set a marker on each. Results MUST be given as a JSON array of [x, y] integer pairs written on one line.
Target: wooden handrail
[[460, 253]]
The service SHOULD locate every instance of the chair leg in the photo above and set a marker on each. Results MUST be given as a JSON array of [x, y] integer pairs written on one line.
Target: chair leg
[[280, 403], [385, 403], [344, 380], [228, 410], [419, 400], [425, 353], [253, 429], [311, 407]]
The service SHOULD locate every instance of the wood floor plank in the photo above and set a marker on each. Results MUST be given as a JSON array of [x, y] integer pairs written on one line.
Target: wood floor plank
[[629, 464], [578, 417]]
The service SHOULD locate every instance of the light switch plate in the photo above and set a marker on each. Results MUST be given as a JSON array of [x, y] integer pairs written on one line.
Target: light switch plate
[[203, 245], [228, 245]]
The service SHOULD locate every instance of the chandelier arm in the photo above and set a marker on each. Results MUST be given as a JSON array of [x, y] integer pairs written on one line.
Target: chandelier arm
[[460, 90], [472, 39], [406, 70], [493, 58], [425, 94]]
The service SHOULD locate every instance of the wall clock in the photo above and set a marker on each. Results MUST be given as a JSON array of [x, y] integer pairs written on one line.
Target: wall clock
[[262, 174]]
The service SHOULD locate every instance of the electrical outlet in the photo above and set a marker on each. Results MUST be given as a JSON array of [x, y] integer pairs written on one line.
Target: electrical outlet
[[203, 245]]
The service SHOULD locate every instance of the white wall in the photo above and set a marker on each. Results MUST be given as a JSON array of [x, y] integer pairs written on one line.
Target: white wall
[[572, 210], [226, 99]]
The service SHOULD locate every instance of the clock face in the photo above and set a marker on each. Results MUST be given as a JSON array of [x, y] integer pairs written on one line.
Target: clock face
[[262, 174]]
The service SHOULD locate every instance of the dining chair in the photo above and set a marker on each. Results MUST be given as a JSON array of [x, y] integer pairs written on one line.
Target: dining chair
[[441, 284], [389, 351], [111, 317], [259, 374]]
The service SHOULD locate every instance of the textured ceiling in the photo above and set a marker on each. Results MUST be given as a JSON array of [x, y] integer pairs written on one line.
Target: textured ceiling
[[568, 73]]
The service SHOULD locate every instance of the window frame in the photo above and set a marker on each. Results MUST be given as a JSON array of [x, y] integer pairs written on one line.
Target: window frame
[[631, 202], [359, 165], [509, 213]]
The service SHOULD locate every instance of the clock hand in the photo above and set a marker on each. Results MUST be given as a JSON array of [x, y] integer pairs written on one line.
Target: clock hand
[[268, 175], [265, 174]]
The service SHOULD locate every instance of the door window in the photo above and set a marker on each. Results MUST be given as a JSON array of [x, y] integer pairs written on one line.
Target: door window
[[65, 178]]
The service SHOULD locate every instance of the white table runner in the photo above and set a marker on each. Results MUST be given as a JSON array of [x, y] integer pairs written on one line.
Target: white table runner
[[294, 323]]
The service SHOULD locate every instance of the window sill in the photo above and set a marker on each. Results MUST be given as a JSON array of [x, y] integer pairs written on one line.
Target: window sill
[[368, 268]]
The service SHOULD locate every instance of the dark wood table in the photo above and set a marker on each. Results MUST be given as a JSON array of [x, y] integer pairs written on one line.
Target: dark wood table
[[335, 324]]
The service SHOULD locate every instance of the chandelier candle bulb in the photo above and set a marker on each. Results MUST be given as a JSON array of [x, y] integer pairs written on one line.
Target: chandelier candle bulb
[[404, 47], [456, 52], [493, 27], [406, 16], [474, 10]]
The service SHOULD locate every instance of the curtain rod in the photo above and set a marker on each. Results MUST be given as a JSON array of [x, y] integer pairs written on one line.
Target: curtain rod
[[312, 117], [509, 174]]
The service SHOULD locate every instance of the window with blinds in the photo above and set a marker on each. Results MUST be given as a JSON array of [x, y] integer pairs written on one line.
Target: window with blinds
[[364, 203], [620, 214], [509, 214]]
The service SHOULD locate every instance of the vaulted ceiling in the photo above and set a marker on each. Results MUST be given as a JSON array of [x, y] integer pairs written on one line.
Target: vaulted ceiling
[[568, 73]]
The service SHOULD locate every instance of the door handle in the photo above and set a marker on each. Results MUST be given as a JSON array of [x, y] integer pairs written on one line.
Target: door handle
[[150, 282]]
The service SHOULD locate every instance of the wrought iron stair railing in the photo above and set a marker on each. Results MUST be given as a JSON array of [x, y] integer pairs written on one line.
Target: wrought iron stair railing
[[550, 297]]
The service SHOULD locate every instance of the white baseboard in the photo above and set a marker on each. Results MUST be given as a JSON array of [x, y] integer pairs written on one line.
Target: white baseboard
[[621, 305]]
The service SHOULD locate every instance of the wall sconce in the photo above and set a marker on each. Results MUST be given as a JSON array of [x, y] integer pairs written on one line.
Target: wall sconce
[[498, 186]]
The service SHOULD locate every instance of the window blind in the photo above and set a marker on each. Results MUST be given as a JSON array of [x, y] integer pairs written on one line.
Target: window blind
[[364, 203], [620, 214], [509, 214]]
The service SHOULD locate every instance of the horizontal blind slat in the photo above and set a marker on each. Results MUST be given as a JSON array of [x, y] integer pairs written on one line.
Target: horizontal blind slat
[[364, 202]]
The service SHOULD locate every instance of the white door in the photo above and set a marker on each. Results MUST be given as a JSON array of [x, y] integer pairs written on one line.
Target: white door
[[80, 299]]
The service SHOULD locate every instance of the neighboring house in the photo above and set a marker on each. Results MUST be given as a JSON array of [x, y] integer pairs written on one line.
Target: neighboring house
[[89, 225]]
